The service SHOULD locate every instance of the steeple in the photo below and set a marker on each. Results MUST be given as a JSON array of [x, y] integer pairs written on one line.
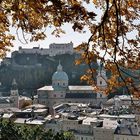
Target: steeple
[[14, 85], [101, 77], [101, 83], [101, 70]]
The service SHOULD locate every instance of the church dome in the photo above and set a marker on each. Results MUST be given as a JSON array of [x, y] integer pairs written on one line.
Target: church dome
[[60, 75]]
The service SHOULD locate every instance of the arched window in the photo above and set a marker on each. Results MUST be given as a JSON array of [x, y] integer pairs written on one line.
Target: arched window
[[100, 82]]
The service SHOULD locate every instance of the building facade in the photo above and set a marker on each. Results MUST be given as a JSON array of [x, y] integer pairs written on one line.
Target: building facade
[[53, 50], [60, 91]]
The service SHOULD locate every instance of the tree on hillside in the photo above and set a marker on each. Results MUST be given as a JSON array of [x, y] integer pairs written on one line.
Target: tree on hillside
[[114, 37]]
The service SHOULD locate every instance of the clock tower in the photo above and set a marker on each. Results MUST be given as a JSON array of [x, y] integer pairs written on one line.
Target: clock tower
[[14, 94]]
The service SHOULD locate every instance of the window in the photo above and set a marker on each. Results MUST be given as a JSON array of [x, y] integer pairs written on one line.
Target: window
[[100, 82], [54, 95], [43, 102]]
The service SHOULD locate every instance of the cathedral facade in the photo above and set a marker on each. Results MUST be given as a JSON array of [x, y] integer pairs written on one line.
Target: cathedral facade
[[61, 92]]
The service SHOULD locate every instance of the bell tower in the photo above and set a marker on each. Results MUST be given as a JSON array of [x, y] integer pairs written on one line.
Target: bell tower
[[101, 82], [14, 95]]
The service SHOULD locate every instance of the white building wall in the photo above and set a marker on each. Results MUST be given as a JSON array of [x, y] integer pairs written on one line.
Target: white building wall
[[83, 137], [5, 105], [103, 134], [29, 51], [126, 137], [54, 49], [138, 118]]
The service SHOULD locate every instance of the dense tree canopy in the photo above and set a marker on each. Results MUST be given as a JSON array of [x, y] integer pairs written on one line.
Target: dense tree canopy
[[11, 131], [114, 37]]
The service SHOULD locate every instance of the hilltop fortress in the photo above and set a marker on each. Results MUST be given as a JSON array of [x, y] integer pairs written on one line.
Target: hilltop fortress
[[53, 50]]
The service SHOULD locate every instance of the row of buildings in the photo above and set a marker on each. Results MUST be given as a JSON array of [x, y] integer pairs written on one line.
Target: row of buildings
[[82, 120]]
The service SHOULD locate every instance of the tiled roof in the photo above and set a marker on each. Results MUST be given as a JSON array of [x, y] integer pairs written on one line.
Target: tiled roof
[[46, 88], [81, 88], [78, 88], [80, 95], [4, 100]]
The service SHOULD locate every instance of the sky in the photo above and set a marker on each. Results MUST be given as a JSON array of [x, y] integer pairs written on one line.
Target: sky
[[75, 37], [70, 36]]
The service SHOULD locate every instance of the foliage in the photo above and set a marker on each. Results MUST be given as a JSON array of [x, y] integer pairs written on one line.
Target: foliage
[[11, 131], [114, 38], [25, 104], [68, 135]]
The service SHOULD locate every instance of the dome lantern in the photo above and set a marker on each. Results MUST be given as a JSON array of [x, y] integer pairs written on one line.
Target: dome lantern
[[59, 67]]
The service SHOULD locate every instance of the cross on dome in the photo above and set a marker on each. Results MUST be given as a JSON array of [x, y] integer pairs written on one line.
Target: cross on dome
[[14, 82], [59, 67]]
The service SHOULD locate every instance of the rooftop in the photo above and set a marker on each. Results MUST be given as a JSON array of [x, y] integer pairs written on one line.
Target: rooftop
[[129, 116], [110, 124], [88, 120], [80, 95], [78, 88], [81, 88], [29, 121]]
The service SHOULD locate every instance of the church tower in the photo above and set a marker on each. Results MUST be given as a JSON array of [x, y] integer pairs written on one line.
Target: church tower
[[101, 82], [14, 94]]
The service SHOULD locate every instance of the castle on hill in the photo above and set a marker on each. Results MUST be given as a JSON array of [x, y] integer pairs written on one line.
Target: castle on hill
[[53, 50]]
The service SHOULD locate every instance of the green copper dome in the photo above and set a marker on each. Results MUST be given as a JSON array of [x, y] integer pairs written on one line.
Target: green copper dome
[[60, 75]]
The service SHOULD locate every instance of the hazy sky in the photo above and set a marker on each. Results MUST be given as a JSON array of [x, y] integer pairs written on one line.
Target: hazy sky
[[70, 35]]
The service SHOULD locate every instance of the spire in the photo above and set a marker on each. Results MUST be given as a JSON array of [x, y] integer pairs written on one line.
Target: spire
[[14, 84], [59, 67], [100, 66], [101, 70]]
